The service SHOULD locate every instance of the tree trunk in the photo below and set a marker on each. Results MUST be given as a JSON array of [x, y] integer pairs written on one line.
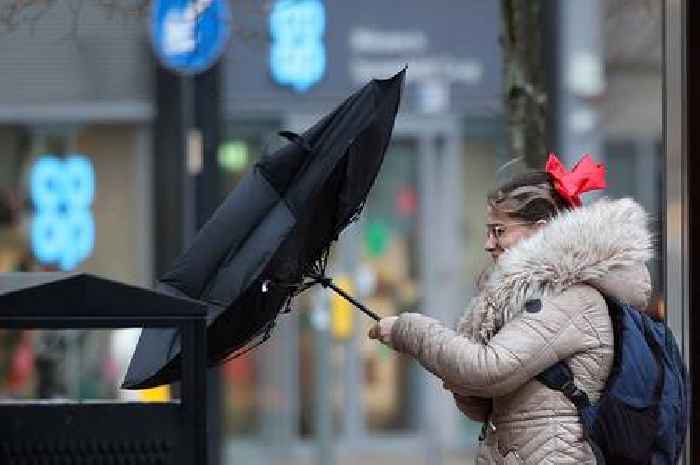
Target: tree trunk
[[524, 98]]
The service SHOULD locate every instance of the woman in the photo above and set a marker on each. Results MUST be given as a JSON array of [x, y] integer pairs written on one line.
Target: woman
[[542, 302]]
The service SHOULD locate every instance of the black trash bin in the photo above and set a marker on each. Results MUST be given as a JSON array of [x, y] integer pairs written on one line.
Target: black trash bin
[[135, 433]]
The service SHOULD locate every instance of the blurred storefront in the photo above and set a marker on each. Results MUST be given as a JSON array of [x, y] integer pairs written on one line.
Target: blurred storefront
[[75, 168], [96, 92]]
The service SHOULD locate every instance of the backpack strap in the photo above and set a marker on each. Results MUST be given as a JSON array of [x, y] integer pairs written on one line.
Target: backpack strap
[[560, 378]]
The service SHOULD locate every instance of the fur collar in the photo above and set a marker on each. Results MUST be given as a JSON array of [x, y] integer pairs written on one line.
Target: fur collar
[[575, 247]]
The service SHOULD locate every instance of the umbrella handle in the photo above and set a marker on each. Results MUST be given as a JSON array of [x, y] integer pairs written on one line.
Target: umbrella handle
[[326, 282]]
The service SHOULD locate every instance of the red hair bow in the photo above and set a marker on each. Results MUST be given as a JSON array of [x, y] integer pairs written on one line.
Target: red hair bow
[[585, 176]]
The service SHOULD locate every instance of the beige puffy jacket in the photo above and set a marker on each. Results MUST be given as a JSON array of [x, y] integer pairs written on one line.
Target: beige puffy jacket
[[542, 303]]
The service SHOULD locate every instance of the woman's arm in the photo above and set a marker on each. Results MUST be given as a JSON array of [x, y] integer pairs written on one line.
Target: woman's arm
[[562, 326]]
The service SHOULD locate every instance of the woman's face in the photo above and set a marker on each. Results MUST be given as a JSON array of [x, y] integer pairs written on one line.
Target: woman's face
[[503, 232]]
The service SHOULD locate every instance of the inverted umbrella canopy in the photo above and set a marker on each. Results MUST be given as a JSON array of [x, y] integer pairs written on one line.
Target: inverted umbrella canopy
[[273, 232]]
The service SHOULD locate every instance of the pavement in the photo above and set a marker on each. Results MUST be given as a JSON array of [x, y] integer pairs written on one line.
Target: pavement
[[364, 454]]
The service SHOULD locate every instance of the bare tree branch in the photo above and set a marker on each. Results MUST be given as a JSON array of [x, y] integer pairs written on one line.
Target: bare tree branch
[[15, 14]]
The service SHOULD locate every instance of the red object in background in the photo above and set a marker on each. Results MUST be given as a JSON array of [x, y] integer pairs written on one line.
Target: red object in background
[[22, 364], [239, 370], [407, 201]]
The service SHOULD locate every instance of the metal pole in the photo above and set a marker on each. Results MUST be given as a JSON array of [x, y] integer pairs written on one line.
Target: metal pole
[[678, 143], [207, 119], [430, 199], [353, 416], [323, 416], [193, 160], [194, 386]]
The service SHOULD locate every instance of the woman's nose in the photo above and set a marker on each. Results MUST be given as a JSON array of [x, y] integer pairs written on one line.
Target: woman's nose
[[490, 244]]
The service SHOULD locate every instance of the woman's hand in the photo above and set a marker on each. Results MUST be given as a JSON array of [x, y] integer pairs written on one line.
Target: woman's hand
[[382, 330]]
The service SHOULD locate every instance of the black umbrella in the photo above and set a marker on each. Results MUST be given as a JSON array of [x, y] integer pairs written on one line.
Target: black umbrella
[[270, 238]]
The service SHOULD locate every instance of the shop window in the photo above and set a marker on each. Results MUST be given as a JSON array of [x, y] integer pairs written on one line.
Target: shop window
[[72, 199]]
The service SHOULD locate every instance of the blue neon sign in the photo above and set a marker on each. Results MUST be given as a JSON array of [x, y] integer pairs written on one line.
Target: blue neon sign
[[297, 52], [63, 228]]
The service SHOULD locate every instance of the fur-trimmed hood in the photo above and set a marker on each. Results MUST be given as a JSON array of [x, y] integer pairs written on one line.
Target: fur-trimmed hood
[[605, 244]]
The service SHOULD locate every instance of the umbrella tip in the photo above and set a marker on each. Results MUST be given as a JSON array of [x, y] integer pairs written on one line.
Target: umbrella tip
[[402, 73]]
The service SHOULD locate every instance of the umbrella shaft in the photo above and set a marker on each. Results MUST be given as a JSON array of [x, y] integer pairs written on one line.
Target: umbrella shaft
[[357, 304]]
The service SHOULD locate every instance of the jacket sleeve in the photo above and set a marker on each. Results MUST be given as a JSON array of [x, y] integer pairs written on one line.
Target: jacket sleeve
[[534, 340]]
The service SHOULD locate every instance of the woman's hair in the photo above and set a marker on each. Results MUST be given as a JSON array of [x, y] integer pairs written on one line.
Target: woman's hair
[[529, 197]]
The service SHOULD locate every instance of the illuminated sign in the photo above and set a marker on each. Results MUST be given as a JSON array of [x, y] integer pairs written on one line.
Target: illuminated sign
[[189, 36], [233, 155], [63, 228], [297, 52]]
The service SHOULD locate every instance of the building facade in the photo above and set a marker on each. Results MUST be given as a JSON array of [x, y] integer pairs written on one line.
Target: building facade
[[165, 150]]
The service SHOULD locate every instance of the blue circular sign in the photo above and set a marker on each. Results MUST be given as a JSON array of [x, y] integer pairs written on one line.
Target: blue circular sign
[[189, 36]]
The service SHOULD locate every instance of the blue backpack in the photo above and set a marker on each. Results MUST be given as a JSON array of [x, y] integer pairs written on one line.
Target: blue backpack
[[642, 415]]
